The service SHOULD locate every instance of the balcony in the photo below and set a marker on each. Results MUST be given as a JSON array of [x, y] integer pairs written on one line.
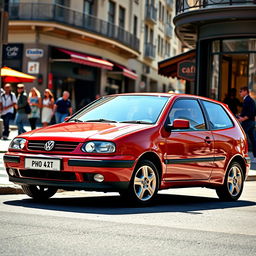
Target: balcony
[[168, 30], [151, 13], [150, 51], [63, 15], [192, 15], [191, 5]]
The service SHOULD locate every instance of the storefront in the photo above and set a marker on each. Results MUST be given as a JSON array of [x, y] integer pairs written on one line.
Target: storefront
[[223, 36], [84, 76]]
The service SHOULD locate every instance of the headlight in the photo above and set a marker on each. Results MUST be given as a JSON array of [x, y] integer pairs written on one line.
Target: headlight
[[99, 147], [17, 143]]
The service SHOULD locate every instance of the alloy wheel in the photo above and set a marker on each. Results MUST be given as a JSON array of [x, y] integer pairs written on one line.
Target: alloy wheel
[[145, 183]]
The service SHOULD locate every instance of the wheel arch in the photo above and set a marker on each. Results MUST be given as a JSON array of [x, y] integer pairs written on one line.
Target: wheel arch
[[239, 159], [154, 158]]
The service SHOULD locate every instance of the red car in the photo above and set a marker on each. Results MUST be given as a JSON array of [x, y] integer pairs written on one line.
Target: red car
[[135, 144]]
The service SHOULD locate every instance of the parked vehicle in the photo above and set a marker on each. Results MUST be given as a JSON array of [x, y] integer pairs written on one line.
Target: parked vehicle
[[135, 144]]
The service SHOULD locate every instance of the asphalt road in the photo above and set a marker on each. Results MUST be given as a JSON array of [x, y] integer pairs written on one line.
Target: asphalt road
[[182, 222]]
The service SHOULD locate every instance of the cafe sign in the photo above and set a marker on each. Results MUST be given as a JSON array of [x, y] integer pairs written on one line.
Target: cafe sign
[[186, 70]]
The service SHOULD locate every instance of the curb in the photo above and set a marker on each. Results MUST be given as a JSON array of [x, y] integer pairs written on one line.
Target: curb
[[251, 178], [10, 189]]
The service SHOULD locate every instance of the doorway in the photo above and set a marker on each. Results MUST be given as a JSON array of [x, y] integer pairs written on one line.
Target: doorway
[[234, 74]]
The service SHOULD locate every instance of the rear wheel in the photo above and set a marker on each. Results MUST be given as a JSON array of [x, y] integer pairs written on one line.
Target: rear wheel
[[144, 183], [39, 192], [233, 185]]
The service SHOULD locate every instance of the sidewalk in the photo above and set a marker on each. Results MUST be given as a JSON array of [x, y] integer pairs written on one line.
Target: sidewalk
[[7, 187]]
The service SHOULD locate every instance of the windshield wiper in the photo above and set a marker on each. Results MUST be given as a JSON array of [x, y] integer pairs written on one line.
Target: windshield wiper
[[136, 122], [101, 120], [76, 120]]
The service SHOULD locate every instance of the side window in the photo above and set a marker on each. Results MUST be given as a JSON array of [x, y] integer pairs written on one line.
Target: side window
[[190, 110], [218, 117]]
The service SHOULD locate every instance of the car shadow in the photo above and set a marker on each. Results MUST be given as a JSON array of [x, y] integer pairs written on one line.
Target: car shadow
[[115, 205]]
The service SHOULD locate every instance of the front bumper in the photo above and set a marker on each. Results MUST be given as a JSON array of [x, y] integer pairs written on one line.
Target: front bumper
[[88, 186], [77, 172]]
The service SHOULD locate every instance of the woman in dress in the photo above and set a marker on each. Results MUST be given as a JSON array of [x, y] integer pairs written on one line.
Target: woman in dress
[[34, 100], [47, 107]]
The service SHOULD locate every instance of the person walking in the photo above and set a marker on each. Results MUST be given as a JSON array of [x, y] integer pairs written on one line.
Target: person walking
[[247, 117], [34, 100], [9, 102], [21, 115], [47, 107], [62, 107]]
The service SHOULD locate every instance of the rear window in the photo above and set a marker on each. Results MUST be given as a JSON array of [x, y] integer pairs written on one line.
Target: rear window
[[219, 119]]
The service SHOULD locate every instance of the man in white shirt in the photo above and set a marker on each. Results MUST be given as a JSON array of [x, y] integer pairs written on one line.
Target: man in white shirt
[[9, 101]]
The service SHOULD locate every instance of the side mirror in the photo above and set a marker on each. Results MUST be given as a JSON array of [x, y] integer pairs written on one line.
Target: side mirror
[[179, 124]]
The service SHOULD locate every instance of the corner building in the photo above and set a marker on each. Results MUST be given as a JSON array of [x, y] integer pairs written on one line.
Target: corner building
[[224, 36], [92, 47]]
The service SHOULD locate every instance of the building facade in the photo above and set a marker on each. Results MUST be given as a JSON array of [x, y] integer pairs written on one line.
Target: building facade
[[92, 47], [223, 34]]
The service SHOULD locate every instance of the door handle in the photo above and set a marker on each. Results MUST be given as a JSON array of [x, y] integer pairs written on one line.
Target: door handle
[[208, 140]]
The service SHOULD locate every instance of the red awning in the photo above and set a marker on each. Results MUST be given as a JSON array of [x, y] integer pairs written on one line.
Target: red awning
[[88, 60], [127, 72]]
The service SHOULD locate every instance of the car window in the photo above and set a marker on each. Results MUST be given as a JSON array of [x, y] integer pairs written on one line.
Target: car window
[[124, 108], [218, 117], [190, 110]]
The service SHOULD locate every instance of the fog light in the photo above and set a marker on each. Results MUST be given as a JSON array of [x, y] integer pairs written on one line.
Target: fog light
[[11, 172], [98, 177]]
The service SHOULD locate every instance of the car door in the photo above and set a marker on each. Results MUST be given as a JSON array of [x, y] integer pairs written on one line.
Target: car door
[[189, 153]]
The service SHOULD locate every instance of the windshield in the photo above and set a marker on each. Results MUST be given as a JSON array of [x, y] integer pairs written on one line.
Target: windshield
[[123, 108]]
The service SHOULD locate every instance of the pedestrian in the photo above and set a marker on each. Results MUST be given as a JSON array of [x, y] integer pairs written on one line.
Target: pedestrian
[[9, 102], [47, 107], [62, 107], [21, 115], [34, 100], [247, 117]]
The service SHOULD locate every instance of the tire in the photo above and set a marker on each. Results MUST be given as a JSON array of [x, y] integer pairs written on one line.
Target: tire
[[144, 184], [39, 192], [233, 185]]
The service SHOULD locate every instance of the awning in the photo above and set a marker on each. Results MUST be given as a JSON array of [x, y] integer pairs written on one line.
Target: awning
[[87, 60], [123, 71], [169, 67], [13, 76], [127, 72]]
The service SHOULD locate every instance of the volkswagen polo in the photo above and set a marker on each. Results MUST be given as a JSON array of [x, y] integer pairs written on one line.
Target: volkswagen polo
[[135, 144]]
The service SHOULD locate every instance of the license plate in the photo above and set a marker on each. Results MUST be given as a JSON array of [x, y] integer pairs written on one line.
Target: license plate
[[42, 164]]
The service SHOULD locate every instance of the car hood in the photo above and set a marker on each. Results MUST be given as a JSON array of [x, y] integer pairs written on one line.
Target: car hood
[[84, 131]]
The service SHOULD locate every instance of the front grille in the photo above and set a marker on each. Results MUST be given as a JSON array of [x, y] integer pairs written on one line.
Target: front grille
[[48, 175], [60, 146]]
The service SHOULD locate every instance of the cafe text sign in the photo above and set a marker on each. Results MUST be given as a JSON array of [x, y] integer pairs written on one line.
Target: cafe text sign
[[186, 70]]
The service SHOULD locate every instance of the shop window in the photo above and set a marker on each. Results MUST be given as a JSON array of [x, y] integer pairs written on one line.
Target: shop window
[[235, 45], [252, 72], [214, 93]]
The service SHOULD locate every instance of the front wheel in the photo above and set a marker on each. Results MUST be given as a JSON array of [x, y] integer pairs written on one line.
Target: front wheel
[[39, 192], [144, 183], [233, 185]]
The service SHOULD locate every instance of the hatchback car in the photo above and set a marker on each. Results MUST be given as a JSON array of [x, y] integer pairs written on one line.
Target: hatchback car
[[135, 144]]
